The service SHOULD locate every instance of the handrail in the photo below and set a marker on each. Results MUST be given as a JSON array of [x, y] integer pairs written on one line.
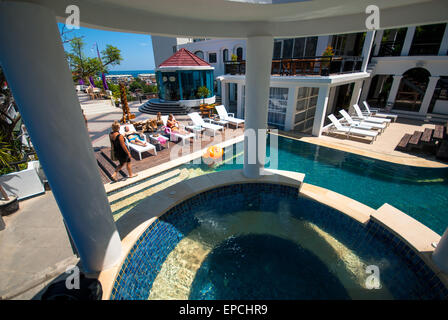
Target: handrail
[[24, 160]]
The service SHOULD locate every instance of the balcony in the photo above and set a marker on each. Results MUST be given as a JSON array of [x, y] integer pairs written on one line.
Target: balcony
[[317, 65]]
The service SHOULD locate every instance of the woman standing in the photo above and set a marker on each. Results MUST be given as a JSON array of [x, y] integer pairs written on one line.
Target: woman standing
[[122, 153]]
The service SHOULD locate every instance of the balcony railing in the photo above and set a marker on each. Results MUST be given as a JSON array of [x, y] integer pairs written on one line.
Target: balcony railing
[[390, 48], [304, 66], [424, 49]]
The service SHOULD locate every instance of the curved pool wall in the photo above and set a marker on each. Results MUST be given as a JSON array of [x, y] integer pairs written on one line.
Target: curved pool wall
[[422, 193], [406, 276]]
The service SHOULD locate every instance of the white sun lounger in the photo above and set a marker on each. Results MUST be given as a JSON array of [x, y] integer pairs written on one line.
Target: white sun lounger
[[223, 115], [198, 121], [361, 124], [136, 147], [174, 136], [348, 130], [368, 118], [377, 114]]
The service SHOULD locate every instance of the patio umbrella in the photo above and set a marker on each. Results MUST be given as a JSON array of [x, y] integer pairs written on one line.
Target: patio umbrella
[[103, 77], [91, 81]]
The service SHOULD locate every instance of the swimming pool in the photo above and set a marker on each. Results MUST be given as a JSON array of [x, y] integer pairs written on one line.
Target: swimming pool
[[263, 241], [421, 193]]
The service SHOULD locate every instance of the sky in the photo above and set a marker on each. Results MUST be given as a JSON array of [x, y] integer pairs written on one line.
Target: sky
[[136, 49]]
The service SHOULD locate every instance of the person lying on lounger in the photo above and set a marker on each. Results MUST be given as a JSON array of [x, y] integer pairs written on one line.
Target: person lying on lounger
[[174, 125], [134, 137]]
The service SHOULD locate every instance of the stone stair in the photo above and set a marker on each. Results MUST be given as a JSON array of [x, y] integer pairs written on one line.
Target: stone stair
[[154, 106], [95, 106]]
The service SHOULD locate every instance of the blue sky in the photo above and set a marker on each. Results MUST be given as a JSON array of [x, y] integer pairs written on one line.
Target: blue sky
[[136, 49]]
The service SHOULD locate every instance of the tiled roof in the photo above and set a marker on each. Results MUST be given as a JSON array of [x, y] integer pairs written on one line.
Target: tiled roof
[[184, 58]]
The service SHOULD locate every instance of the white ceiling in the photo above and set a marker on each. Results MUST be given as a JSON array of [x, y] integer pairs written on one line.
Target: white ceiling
[[243, 18]]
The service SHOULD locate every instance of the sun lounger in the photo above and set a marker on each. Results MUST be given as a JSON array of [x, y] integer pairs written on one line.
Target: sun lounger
[[373, 119], [223, 115], [198, 121], [348, 130], [373, 112], [175, 135], [361, 124], [139, 149]]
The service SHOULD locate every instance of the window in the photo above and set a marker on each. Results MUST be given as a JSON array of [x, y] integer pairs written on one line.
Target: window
[[199, 54], [299, 47], [239, 53], [305, 108], [174, 49], [212, 57], [311, 44], [277, 50], [225, 55], [278, 102], [287, 48]]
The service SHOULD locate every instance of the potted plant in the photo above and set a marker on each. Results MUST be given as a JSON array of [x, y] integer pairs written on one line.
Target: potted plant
[[8, 204], [202, 93], [325, 64]]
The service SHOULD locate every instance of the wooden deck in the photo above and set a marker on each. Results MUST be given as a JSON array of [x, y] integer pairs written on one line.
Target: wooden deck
[[149, 160]]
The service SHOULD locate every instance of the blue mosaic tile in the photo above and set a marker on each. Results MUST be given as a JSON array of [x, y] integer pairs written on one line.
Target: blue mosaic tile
[[141, 266]]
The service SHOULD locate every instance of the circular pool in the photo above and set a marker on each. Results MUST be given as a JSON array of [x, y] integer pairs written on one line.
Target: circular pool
[[264, 241]]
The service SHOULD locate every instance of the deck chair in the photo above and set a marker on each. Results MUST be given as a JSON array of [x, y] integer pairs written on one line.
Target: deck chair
[[361, 124], [373, 112], [223, 115], [373, 119], [198, 121], [348, 130], [173, 135], [135, 147]]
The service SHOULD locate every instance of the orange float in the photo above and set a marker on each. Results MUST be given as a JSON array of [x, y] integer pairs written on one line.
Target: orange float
[[213, 155]]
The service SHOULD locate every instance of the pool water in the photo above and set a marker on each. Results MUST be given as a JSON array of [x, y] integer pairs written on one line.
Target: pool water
[[262, 241], [421, 193]]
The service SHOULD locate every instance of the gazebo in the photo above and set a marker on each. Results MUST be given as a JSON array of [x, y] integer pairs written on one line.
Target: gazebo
[[180, 76]]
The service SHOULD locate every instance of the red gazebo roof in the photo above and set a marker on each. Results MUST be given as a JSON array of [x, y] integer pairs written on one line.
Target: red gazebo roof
[[184, 58]]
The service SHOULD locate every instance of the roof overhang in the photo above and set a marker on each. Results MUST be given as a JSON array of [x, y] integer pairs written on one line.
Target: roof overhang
[[176, 68], [242, 19]]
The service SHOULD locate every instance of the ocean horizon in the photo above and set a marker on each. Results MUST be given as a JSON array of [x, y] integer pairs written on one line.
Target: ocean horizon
[[134, 73]]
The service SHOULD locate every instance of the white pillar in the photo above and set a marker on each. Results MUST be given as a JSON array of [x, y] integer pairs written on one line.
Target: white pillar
[[394, 89], [366, 88], [258, 76], [321, 110], [239, 104], [408, 41], [355, 95], [440, 254], [377, 42], [444, 44], [34, 62], [366, 49], [428, 95], [224, 94]]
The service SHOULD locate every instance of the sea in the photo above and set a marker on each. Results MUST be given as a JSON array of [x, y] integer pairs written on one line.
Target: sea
[[134, 73]]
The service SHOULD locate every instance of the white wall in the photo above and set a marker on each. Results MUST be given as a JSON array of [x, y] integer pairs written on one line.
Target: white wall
[[436, 65], [163, 48]]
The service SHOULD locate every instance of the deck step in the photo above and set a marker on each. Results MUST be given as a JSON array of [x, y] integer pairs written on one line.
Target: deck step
[[427, 135], [403, 144], [143, 185], [108, 166], [415, 139]]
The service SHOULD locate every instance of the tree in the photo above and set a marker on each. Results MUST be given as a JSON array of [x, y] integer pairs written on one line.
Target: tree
[[84, 67], [203, 92]]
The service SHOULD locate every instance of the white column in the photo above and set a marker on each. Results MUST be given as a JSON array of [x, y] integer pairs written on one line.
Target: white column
[[394, 89], [440, 254], [355, 95], [366, 88], [224, 94], [291, 108], [408, 41], [378, 38], [34, 62], [321, 110], [444, 44], [239, 104], [366, 49], [258, 76], [428, 95]]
